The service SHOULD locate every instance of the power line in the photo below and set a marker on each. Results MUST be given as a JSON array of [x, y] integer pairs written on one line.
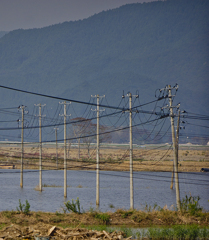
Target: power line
[[198, 125], [70, 100]]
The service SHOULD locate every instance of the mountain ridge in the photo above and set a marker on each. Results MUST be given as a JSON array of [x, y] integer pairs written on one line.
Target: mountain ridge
[[134, 47]]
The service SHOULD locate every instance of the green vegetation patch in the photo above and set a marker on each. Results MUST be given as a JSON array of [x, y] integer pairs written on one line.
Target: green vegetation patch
[[105, 217], [179, 232]]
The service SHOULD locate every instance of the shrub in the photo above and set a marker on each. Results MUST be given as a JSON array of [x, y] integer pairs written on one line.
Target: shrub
[[24, 208]]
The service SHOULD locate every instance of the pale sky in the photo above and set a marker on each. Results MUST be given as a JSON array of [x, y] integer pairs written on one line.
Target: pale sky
[[16, 14]]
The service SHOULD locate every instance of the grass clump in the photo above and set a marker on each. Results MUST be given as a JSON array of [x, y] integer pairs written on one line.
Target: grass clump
[[139, 216], [125, 213], [73, 206], [104, 217], [8, 214], [23, 208], [55, 219], [191, 205]]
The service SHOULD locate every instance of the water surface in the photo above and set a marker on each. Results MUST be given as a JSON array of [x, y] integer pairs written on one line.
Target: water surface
[[149, 188]]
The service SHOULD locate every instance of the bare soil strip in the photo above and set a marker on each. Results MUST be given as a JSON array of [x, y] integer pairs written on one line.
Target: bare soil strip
[[111, 159]]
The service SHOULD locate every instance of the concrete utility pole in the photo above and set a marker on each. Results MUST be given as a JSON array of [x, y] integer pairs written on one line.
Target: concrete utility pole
[[40, 147], [79, 147], [22, 147], [131, 149], [131, 153], [177, 138], [177, 147], [174, 148], [56, 146], [65, 149], [171, 186], [97, 191], [97, 153], [65, 152]]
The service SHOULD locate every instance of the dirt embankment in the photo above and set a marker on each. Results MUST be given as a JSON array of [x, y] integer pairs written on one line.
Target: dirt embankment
[[18, 225]]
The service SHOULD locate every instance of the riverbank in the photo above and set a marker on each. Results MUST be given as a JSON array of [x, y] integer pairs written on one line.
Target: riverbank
[[121, 217], [31, 223]]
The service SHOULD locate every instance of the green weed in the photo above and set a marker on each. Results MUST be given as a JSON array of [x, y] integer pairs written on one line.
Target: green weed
[[191, 205], [105, 217], [149, 208], [91, 210], [73, 206], [125, 213], [58, 213], [23, 208]]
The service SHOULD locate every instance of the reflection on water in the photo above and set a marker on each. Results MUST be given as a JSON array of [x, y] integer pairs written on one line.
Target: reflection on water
[[149, 188]]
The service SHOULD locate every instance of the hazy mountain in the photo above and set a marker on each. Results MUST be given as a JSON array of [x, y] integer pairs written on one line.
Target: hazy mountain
[[135, 47], [2, 33]]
